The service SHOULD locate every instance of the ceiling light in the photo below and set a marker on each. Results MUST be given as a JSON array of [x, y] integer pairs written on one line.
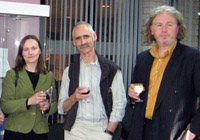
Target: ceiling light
[[107, 6]]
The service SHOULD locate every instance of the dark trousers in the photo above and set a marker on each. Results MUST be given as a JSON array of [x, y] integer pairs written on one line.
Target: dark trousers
[[147, 130], [10, 135]]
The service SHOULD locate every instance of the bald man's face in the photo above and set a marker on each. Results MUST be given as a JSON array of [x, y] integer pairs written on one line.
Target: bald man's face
[[83, 39]]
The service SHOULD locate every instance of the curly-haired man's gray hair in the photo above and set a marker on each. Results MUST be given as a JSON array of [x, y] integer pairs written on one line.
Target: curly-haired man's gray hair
[[147, 35]]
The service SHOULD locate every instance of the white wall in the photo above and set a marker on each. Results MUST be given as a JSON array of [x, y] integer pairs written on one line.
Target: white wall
[[14, 27]]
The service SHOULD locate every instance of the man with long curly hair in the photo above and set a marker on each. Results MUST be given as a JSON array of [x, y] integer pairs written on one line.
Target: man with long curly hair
[[169, 73]]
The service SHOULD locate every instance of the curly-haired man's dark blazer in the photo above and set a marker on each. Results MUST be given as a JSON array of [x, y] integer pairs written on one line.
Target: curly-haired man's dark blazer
[[176, 104]]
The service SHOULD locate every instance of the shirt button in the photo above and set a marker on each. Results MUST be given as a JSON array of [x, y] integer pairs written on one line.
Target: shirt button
[[175, 91], [170, 110]]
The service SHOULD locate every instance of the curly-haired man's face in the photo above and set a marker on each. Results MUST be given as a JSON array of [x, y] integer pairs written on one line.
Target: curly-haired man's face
[[164, 28]]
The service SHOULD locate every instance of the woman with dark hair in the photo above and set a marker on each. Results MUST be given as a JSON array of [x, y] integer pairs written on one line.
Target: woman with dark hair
[[23, 99]]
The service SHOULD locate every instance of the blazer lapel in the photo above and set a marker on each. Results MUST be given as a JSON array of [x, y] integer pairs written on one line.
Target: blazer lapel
[[144, 71], [26, 79], [169, 73], [41, 81], [148, 64]]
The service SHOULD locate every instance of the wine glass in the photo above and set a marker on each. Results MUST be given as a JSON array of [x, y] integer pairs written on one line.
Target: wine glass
[[86, 93], [139, 88]]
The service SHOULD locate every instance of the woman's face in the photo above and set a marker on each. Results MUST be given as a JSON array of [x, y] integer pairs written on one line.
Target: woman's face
[[31, 51]]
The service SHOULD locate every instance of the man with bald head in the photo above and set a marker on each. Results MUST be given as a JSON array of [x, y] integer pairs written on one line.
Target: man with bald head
[[92, 93]]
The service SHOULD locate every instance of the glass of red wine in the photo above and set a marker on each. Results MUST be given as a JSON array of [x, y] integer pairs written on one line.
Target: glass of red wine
[[86, 93]]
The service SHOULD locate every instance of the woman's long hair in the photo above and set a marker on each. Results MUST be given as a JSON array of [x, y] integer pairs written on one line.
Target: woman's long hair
[[20, 62]]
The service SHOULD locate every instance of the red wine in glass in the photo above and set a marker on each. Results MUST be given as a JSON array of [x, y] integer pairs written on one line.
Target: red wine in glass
[[86, 92]]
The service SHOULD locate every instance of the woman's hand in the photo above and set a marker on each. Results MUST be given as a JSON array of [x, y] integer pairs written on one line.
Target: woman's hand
[[1, 118], [44, 106], [37, 98]]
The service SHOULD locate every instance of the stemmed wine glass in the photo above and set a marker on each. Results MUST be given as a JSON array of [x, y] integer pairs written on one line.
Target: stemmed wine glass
[[85, 82], [86, 93], [139, 88]]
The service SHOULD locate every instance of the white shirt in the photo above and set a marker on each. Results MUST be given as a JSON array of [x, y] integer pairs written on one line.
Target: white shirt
[[92, 109]]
